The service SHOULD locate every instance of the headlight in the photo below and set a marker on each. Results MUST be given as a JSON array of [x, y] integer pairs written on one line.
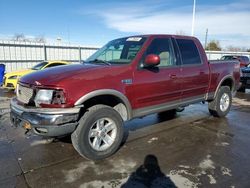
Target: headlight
[[45, 96]]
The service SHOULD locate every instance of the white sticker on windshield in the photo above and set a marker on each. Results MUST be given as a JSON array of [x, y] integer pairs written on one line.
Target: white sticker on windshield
[[136, 39]]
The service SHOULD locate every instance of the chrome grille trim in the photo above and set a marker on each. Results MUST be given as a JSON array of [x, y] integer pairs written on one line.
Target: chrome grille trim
[[246, 74], [24, 94]]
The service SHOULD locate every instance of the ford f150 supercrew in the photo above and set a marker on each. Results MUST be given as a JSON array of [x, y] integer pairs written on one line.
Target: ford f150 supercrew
[[127, 78]]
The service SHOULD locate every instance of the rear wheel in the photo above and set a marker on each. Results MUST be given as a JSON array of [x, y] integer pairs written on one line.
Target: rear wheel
[[221, 105], [99, 133]]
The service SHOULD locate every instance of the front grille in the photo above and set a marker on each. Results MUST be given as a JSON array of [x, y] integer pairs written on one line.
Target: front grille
[[9, 85], [24, 94], [246, 74]]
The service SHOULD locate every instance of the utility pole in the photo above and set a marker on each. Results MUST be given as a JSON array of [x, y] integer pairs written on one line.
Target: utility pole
[[193, 18], [206, 39]]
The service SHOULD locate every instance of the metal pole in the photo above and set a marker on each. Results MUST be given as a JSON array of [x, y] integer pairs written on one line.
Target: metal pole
[[193, 18], [80, 54], [45, 52], [206, 39]]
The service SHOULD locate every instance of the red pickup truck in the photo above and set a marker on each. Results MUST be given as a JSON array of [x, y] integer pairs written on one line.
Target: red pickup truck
[[127, 78]]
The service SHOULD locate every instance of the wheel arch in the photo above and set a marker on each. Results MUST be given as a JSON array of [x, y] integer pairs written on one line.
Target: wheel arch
[[226, 81], [109, 97]]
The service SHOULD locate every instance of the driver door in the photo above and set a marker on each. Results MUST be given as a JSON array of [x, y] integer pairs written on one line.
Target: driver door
[[158, 86]]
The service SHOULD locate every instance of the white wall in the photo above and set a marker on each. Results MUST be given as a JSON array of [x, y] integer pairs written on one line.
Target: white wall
[[215, 55]]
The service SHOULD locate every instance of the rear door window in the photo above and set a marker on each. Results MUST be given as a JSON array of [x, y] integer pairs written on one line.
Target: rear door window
[[189, 52]]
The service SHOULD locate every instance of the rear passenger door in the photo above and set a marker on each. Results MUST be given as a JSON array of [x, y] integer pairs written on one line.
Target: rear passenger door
[[194, 72]]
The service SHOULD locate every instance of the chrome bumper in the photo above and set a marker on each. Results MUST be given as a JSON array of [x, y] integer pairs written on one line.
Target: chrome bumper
[[45, 121]]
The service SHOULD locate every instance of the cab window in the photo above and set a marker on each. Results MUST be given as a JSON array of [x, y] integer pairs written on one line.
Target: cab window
[[189, 52], [163, 48]]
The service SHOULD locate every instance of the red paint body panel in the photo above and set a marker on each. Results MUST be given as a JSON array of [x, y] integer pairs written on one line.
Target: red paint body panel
[[152, 88], [220, 69], [147, 88]]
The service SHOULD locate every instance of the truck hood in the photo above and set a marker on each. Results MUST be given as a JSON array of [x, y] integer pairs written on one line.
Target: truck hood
[[55, 76]]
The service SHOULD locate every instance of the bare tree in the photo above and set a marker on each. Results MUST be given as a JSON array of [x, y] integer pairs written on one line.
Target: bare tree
[[40, 39], [236, 49], [180, 32], [19, 37]]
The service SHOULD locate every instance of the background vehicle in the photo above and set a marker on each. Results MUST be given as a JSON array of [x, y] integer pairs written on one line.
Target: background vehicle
[[127, 78], [245, 79], [2, 70], [10, 79], [244, 60]]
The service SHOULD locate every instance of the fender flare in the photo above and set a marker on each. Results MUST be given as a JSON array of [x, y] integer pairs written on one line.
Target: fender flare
[[222, 80], [113, 92]]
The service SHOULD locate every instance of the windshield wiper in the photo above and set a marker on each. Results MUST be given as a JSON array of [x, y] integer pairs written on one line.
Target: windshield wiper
[[101, 61]]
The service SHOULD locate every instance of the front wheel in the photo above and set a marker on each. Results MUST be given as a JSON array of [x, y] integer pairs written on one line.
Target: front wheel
[[99, 133], [221, 105]]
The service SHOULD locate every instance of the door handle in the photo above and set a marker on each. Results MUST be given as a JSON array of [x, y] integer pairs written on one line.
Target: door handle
[[173, 76]]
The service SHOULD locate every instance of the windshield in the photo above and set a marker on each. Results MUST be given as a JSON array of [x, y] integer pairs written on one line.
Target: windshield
[[119, 51], [228, 58], [39, 66]]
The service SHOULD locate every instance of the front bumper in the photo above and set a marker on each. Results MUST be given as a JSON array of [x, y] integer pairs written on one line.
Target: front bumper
[[245, 81], [50, 122]]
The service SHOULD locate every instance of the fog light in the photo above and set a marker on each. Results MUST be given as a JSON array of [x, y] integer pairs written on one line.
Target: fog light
[[27, 125]]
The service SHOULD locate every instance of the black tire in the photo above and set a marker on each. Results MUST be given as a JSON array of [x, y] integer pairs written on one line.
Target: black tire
[[214, 106], [80, 137], [242, 89], [166, 115]]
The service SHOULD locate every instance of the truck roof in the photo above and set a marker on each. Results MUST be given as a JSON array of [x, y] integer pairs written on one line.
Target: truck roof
[[164, 35]]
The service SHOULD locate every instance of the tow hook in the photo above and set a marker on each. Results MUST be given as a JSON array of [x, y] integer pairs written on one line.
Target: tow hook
[[27, 131]]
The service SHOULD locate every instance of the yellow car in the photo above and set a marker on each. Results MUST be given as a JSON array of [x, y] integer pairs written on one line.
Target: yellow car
[[10, 79]]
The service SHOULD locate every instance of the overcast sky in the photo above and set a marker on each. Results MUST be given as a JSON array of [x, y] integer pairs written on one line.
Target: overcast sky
[[96, 22]]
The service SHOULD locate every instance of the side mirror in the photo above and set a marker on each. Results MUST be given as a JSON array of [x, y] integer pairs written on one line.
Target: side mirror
[[152, 60]]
